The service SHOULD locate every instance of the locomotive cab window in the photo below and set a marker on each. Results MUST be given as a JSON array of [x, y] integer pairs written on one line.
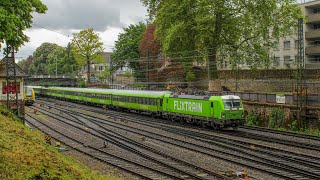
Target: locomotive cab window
[[231, 104]]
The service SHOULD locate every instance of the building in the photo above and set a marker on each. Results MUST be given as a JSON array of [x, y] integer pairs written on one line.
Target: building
[[311, 10], [96, 68], [11, 87], [287, 53]]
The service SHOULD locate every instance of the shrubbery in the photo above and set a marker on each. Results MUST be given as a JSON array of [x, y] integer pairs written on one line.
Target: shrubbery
[[252, 119], [277, 118]]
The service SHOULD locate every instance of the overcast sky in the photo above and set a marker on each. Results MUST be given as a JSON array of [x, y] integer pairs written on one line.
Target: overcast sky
[[108, 17]]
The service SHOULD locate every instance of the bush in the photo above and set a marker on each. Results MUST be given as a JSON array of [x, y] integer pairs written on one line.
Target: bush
[[277, 118], [294, 126], [252, 119]]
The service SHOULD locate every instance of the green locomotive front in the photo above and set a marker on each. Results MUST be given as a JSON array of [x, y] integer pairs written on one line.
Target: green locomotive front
[[215, 111]]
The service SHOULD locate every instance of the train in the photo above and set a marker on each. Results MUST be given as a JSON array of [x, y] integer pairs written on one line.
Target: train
[[219, 112], [29, 96]]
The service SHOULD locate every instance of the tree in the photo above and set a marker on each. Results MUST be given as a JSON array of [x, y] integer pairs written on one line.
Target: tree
[[40, 61], [151, 45], [86, 47], [126, 49], [24, 64], [62, 60], [237, 30], [15, 17], [104, 75]]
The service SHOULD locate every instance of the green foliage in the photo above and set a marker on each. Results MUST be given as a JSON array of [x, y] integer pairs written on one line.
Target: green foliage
[[127, 74], [190, 76], [39, 65], [104, 75], [62, 60], [15, 17], [237, 30], [25, 155], [277, 118], [86, 47], [24, 64], [126, 49], [294, 126], [252, 119]]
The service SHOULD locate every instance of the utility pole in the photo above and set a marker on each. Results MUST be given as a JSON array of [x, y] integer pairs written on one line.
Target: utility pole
[[111, 73], [56, 67], [300, 74], [12, 88], [148, 64]]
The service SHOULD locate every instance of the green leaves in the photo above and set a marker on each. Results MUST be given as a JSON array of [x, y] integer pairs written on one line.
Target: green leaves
[[40, 58], [15, 17], [87, 46], [126, 49], [242, 31]]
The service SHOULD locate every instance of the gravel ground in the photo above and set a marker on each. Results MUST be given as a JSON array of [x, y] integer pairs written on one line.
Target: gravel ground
[[196, 158], [99, 166], [192, 157]]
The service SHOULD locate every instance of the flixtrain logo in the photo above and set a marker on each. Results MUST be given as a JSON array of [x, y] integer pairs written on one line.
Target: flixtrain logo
[[188, 106]]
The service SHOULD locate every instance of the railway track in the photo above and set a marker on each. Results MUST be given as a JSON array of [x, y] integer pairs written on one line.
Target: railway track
[[238, 133], [186, 169], [116, 161], [274, 140], [281, 168], [292, 134]]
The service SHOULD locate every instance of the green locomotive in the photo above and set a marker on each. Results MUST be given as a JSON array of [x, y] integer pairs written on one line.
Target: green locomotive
[[215, 111]]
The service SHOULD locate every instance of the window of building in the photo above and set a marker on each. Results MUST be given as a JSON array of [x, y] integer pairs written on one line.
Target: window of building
[[100, 68], [317, 42], [316, 26], [316, 10], [287, 59], [315, 58], [276, 61], [286, 44]]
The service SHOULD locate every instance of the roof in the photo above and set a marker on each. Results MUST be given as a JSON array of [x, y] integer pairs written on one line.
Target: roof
[[228, 97], [3, 70], [191, 97], [134, 93]]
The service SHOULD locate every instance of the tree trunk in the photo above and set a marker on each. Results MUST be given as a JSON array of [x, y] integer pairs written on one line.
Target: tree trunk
[[212, 66], [88, 75]]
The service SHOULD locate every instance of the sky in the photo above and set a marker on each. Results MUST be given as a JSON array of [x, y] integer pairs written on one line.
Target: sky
[[64, 17]]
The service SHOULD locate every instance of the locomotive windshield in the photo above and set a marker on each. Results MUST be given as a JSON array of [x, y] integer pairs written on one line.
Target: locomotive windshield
[[232, 104], [28, 91]]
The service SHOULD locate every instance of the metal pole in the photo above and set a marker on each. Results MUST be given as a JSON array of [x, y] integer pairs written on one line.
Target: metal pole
[[56, 67], [148, 63]]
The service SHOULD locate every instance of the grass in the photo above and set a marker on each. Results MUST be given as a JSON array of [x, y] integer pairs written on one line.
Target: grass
[[25, 155]]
